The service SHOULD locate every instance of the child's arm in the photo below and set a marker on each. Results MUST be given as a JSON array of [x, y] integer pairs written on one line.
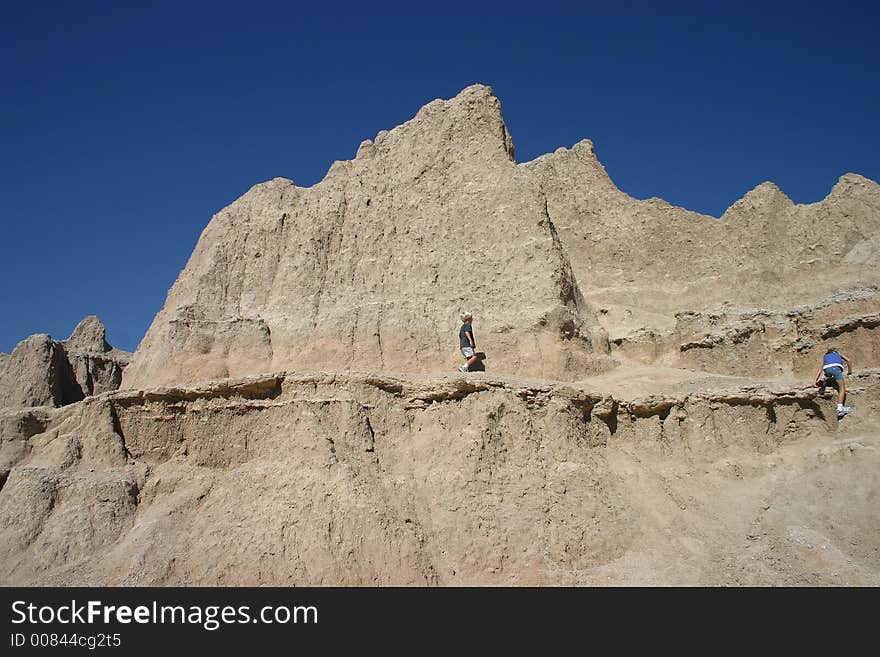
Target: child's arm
[[848, 363]]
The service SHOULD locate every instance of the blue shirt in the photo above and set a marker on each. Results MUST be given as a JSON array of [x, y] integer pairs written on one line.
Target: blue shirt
[[833, 359], [462, 338]]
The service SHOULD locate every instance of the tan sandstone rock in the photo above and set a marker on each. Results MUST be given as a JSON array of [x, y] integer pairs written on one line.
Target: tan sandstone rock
[[369, 268], [364, 479], [646, 418], [45, 372], [97, 366]]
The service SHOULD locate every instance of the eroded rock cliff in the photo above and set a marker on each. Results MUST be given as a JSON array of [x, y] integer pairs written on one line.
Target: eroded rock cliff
[[646, 417], [329, 478], [368, 269]]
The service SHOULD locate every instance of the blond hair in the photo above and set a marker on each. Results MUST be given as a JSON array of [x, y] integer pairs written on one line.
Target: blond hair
[[465, 317]]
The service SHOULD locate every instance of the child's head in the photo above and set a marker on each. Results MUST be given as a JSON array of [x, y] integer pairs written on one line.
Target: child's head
[[466, 317], [831, 350]]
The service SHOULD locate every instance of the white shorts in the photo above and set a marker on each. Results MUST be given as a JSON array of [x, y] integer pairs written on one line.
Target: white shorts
[[467, 352]]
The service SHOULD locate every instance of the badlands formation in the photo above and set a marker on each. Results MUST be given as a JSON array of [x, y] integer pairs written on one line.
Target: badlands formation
[[294, 415]]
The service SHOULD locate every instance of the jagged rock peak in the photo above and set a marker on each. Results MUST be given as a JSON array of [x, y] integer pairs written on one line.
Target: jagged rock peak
[[852, 184], [768, 194], [89, 335], [582, 150], [766, 190], [46, 372], [474, 112], [469, 102], [579, 161], [760, 198]]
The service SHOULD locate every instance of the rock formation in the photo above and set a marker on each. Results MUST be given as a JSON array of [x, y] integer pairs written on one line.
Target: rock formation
[[36, 374], [96, 365], [293, 415], [368, 269], [45, 372], [323, 478]]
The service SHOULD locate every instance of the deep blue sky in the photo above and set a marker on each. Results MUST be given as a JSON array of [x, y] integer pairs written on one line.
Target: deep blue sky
[[123, 129]]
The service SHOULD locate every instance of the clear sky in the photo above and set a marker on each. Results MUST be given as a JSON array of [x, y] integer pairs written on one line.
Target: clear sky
[[125, 126]]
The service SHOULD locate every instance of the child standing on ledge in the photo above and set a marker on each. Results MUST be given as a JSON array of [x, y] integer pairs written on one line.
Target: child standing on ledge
[[467, 342]]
